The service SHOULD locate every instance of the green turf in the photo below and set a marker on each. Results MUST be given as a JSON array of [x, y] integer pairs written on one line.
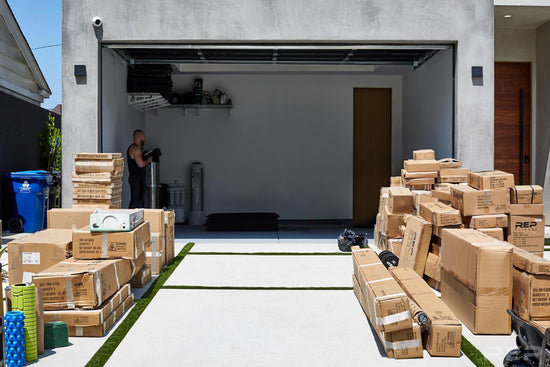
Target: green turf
[[259, 288], [274, 253], [474, 354], [104, 353]]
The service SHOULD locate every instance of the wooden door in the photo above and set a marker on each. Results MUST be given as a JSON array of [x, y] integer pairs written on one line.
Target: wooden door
[[371, 151], [512, 110]]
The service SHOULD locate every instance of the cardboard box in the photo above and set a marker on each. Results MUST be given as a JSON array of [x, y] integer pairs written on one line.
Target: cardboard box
[[433, 267], [477, 202], [408, 175], [444, 333], [490, 180], [527, 232], [157, 243], [156, 219], [527, 209], [96, 156], [442, 193], [400, 344], [84, 283], [440, 215], [109, 245], [170, 242], [453, 175], [433, 283], [526, 194], [101, 330], [395, 245], [388, 306], [529, 262], [156, 260], [142, 278], [69, 218], [416, 243], [483, 311], [424, 154], [435, 248], [422, 196], [90, 317], [88, 166], [396, 181], [542, 325], [438, 231], [488, 221], [531, 297], [450, 163], [497, 233], [424, 183], [390, 223], [97, 177], [383, 199], [38, 251], [400, 200], [411, 165]]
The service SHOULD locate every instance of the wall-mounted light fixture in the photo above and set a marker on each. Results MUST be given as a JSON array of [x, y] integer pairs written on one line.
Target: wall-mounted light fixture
[[80, 71], [477, 75]]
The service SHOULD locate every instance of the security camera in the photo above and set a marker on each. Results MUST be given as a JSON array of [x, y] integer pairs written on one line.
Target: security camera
[[97, 22]]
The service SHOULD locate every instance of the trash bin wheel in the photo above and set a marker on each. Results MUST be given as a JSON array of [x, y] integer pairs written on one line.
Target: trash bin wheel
[[15, 225]]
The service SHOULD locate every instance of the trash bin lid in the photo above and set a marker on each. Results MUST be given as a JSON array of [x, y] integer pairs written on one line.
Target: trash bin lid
[[32, 175]]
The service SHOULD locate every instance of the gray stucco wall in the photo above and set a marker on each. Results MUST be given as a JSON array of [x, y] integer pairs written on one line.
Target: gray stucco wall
[[469, 23]]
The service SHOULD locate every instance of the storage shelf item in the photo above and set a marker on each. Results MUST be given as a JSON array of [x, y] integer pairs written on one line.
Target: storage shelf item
[[147, 101], [199, 107]]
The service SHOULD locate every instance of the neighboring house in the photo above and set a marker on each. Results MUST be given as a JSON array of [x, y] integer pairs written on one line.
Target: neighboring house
[[22, 90], [300, 74]]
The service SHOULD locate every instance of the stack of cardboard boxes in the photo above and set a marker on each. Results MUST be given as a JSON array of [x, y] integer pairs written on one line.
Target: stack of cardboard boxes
[[97, 180], [160, 251], [395, 203], [526, 227], [420, 172]]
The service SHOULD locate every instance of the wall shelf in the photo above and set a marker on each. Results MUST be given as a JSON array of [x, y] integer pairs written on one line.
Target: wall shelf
[[199, 107]]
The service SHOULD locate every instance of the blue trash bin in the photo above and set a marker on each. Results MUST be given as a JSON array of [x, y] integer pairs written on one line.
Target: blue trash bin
[[30, 193]]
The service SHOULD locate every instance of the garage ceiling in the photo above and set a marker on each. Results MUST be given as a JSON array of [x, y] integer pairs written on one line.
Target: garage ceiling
[[285, 54]]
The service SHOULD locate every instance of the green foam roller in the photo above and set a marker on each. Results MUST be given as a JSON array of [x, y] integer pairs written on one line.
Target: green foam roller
[[23, 299]]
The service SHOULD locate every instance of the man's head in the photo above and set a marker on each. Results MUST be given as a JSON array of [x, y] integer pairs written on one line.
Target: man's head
[[139, 137]]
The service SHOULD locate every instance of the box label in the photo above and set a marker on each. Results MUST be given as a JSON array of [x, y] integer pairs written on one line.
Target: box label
[[30, 258]]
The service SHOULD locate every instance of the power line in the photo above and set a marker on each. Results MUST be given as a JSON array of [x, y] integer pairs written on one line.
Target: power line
[[38, 48]]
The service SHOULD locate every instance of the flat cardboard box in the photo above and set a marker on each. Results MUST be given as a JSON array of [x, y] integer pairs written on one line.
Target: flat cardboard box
[[450, 163], [88, 166], [94, 206], [89, 317], [526, 194], [408, 175], [156, 219], [416, 243], [497, 233], [526, 209], [416, 182], [390, 223], [84, 283], [396, 181], [531, 295], [527, 232], [142, 278], [490, 180], [97, 177], [453, 175], [385, 297], [424, 154], [488, 221], [156, 260], [444, 332], [400, 200], [69, 218], [433, 267], [483, 311], [419, 187], [36, 252], [109, 245], [428, 165], [440, 215], [96, 156], [530, 262], [471, 201], [101, 330]]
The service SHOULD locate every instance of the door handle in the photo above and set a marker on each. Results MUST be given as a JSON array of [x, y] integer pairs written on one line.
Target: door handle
[[526, 159]]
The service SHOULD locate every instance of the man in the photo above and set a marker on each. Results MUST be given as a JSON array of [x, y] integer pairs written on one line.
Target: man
[[136, 167]]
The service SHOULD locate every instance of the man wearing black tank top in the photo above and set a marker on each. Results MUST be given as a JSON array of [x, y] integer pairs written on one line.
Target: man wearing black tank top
[[136, 167]]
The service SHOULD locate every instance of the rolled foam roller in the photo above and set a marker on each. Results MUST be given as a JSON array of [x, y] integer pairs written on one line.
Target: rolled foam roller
[[14, 339], [23, 299]]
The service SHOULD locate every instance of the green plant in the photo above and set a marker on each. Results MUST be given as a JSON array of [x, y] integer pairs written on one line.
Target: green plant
[[50, 141]]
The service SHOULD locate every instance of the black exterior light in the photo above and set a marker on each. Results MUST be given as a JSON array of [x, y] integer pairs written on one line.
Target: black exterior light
[[80, 71]]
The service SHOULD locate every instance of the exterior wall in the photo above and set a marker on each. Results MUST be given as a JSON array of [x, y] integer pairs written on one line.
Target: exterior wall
[[469, 23], [427, 111]]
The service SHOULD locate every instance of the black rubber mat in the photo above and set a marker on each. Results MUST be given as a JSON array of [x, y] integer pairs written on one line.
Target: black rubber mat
[[242, 222]]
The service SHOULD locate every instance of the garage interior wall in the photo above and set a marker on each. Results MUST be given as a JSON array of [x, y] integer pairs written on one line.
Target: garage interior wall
[[119, 118], [428, 107]]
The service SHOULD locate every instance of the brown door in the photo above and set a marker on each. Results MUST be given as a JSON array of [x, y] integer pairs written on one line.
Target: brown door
[[513, 119], [371, 151]]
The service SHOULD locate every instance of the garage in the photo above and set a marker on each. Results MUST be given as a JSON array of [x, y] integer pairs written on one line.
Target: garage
[[300, 116]]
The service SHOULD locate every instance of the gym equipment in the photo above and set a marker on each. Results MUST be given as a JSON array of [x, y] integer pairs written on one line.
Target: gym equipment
[[23, 299], [14, 328], [533, 347], [347, 238]]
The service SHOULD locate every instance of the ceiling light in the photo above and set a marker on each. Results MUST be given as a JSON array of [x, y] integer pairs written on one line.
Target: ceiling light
[[508, 16]]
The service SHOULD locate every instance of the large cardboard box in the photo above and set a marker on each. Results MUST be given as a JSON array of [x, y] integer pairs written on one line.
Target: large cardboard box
[[69, 218], [388, 306], [526, 194], [142, 278], [478, 287], [157, 243], [428, 165], [38, 251], [471, 201], [423, 154], [410, 175], [497, 233], [89, 317], [400, 200], [530, 263], [487, 221], [453, 175], [433, 267], [396, 181], [109, 245], [527, 232], [156, 260], [155, 217], [390, 223], [416, 243], [440, 215], [490, 180], [444, 332], [527, 209], [422, 196], [84, 283], [531, 295]]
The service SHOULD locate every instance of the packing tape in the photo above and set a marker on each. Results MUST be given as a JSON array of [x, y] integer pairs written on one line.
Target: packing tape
[[78, 331], [532, 193], [154, 243], [69, 290], [116, 277], [404, 344], [56, 316], [390, 319], [97, 287], [104, 244], [363, 250], [154, 261], [378, 280], [365, 265]]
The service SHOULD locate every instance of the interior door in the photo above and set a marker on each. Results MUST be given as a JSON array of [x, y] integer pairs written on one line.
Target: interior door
[[371, 151], [513, 119]]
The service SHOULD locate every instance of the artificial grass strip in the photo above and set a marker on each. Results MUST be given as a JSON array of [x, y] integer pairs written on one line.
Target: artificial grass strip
[[104, 353], [257, 288], [275, 253], [474, 354]]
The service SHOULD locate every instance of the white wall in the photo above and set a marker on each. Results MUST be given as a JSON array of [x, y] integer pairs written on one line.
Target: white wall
[[119, 118], [427, 107], [287, 147]]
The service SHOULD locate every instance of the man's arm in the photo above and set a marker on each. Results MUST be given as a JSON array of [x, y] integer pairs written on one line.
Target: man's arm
[[135, 153]]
